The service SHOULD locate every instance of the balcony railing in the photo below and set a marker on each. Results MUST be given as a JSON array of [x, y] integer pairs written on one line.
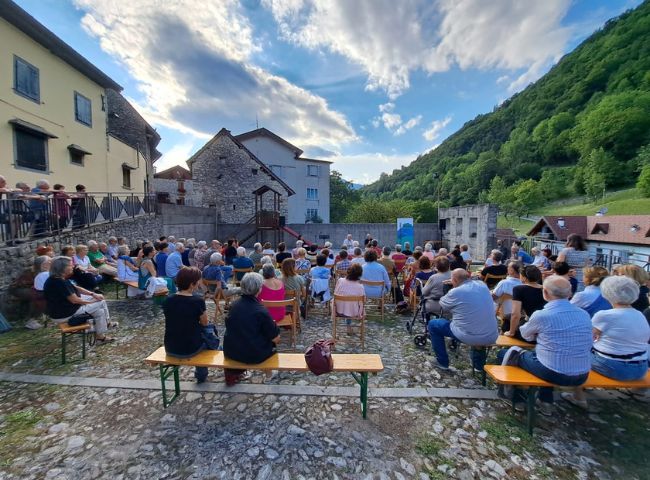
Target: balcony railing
[[27, 216]]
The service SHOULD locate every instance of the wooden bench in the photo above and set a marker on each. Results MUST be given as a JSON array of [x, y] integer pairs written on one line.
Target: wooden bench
[[358, 365], [66, 331], [506, 342], [511, 375], [157, 297]]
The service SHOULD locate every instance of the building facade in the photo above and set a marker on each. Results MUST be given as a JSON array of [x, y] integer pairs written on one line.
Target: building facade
[[62, 119], [309, 178]]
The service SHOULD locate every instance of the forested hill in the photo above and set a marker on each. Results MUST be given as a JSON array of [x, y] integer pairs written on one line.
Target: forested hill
[[580, 128]]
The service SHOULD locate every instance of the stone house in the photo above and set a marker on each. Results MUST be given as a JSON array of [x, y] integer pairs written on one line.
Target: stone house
[[226, 175], [174, 185]]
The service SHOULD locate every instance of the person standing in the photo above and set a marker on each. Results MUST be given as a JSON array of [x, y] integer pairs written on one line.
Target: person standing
[[79, 214]]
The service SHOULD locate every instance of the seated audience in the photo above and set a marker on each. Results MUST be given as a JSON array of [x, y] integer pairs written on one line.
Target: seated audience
[[564, 339], [215, 272], [42, 271], [350, 286], [399, 258], [505, 252], [312, 253], [230, 252], [127, 271], [242, 262], [348, 242], [108, 258], [637, 274], [329, 258], [147, 269], [539, 260], [319, 280], [457, 260], [291, 280], [428, 251], [302, 263], [344, 263], [268, 260], [64, 299], [464, 252], [357, 256], [489, 261], [386, 261], [590, 299], [112, 247], [576, 255], [407, 249], [272, 289], [185, 320], [98, 260], [374, 272], [526, 299], [294, 252], [201, 255], [282, 253], [160, 259], [520, 254], [620, 337], [505, 287], [251, 334], [174, 261], [188, 252], [268, 250], [434, 288], [563, 270], [256, 255], [470, 319], [423, 273]]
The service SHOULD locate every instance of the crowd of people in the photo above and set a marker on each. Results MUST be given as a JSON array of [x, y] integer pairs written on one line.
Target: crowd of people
[[581, 316]]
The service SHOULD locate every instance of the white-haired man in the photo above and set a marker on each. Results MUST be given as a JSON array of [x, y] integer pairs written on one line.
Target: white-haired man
[[348, 242], [242, 262], [174, 261], [294, 252]]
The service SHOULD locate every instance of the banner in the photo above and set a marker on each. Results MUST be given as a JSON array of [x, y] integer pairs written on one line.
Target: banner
[[405, 231]]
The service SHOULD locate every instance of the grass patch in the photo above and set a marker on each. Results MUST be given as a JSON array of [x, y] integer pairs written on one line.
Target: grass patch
[[14, 430], [503, 427], [429, 446]]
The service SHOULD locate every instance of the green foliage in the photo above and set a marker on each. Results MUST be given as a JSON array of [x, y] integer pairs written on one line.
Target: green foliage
[[370, 210], [597, 97], [342, 197], [643, 184], [595, 172]]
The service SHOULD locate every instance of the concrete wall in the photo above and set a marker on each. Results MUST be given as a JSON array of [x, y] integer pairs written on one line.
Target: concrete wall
[[188, 222], [475, 225], [385, 233]]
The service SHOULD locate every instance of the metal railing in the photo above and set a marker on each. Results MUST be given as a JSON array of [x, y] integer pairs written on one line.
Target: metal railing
[[26, 216]]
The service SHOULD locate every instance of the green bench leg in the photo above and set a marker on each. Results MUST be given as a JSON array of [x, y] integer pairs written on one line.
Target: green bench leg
[[167, 371], [530, 409], [64, 345], [362, 380], [63, 342]]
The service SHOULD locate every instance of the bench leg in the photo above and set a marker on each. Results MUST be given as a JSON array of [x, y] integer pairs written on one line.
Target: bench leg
[[530, 409], [63, 342], [362, 380], [165, 372], [83, 344]]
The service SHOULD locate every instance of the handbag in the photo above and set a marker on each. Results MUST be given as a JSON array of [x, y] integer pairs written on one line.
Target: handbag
[[79, 319], [319, 357]]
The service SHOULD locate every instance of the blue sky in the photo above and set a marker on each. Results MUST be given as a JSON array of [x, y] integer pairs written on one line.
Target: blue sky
[[367, 84]]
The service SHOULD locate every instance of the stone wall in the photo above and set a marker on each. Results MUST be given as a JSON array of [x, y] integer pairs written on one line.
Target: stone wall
[[475, 225], [225, 176], [385, 233], [184, 221]]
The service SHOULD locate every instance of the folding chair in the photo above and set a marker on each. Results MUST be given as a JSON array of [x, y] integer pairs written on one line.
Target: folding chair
[[381, 299], [235, 271], [361, 317], [289, 319], [216, 296]]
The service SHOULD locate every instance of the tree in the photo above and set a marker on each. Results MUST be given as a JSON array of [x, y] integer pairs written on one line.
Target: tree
[[598, 168], [343, 197], [526, 196], [643, 184]]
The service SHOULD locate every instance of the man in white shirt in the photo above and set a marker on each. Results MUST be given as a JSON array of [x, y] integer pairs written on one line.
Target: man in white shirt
[[505, 287], [348, 242]]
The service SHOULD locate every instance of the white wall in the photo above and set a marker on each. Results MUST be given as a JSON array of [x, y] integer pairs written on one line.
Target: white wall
[[294, 173]]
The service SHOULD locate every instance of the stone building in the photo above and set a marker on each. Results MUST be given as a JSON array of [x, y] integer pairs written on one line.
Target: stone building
[[174, 185], [475, 225], [226, 176]]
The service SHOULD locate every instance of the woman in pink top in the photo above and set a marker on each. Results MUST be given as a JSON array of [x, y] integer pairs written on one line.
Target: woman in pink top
[[272, 289], [350, 286]]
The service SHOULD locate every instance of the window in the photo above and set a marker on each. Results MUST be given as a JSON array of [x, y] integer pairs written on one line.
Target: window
[[254, 171], [459, 226], [31, 150], [26, 80], [312, 170], [82, 109], [473, 227], [312, 194], [312, 213], [76, 157], [126, 176]]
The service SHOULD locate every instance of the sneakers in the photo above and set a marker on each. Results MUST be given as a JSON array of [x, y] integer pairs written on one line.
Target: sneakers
[[570, 397], [113, 324], [270, 375], [545, 408], [439, 365], [33, 325]]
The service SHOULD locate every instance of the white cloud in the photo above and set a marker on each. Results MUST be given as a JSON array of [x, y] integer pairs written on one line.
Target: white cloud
[[436, 127], [367, 167], [393, 121], [389, 39], [408, 125], [197, 74], [177, 155]]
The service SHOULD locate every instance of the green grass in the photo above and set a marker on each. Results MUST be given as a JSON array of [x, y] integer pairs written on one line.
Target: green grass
[[428, 445], [14, 430], [504, 426]]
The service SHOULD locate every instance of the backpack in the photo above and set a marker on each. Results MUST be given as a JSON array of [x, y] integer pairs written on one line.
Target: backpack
[[319, 358]]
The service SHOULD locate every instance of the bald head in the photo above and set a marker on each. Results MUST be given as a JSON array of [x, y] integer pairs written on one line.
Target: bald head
[[556, 288], [459, 276]]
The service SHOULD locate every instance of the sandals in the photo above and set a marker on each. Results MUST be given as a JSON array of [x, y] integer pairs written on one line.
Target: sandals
[[103, 341], [569, 397]]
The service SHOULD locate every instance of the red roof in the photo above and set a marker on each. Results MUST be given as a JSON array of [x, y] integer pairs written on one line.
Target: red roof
[[629, 229], [174, 173], [561, 226]]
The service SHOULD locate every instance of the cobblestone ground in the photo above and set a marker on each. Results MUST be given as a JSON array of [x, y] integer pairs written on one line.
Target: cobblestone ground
[[62, 432]]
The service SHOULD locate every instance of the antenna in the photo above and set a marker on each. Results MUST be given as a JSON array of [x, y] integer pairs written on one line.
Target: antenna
[[257, 123]]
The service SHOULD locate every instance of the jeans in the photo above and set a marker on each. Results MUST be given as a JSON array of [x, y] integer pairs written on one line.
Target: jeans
[[529, 362], [438, 329], [618, 369]]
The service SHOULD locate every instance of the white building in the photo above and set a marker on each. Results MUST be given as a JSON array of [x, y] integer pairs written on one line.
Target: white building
[[309, 178]]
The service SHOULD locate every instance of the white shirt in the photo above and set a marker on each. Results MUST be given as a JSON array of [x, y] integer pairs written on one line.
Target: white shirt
[[39, 281], [348, 243], [466, 256], [624, 331], [505, 287], [83, 264], [358, 260], [268, 251]]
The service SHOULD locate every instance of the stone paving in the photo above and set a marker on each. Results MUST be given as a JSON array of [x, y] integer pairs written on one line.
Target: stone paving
[[66, 432]]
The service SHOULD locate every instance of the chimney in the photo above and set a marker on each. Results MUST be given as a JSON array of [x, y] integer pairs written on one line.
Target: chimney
[[560, 222]]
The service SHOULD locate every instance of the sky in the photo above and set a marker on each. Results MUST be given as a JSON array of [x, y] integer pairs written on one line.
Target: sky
[[366, 84]]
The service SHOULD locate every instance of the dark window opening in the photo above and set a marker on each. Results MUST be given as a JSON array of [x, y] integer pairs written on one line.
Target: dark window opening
[[126, 177], [254, 171], [31, 150], [76, 157]]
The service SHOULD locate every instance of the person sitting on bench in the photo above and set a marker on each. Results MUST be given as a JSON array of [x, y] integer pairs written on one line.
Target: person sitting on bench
[[620, 348], [251, 334], [65, 300], [469, 305], [564, 338]]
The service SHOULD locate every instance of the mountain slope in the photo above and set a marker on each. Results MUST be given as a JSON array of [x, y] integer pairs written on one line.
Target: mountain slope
[[579, 128]]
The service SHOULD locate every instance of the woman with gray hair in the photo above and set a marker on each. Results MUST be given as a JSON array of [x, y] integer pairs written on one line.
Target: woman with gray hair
[[200, 253], [127, 270], [251, 334], [267, 260], [272, 290], [256, 255], [621, 337], [64, 299]]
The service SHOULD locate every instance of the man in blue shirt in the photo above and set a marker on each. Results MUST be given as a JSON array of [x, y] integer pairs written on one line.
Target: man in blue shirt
[[470, 307], [175, 261], [563, 333], [161, 259], [241, 262], [521, 254], [374, 272]]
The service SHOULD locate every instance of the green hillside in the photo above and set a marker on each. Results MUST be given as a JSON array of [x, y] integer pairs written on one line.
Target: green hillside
[[578, 130]]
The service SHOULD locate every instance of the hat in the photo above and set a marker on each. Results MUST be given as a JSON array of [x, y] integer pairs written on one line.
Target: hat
[[44, 250]]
